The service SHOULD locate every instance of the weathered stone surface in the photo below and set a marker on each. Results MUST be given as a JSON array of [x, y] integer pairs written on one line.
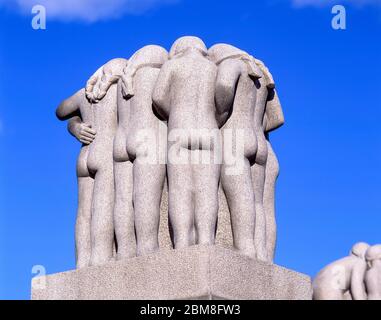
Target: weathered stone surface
[[197, 272]]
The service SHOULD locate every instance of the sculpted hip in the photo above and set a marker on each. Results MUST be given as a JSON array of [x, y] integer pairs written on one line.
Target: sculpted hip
[[262, 152], [82, 169], [100, 155], [240, 140], [120, 149]]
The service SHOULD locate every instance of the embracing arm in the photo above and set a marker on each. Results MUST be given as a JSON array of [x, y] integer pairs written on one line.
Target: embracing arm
[[81, 131], [70, 107], [161, 95], [229, 72]]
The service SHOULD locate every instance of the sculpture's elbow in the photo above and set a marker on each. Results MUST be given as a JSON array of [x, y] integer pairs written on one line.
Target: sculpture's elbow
[[281, 120], [159, 109], [224, 96], [60, 114]]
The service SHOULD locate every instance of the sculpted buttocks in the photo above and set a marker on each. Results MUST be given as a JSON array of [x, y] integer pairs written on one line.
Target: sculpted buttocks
[[265, 86], [142, 118], [233, 73], [101, 90]]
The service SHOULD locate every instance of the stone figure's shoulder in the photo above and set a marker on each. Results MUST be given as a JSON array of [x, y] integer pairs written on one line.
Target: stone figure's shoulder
[[79, 97], [232, 66], [81, 92]]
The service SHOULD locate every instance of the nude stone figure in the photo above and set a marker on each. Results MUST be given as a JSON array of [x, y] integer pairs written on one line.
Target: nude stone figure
[[236, 96], [373, 274], [139, 156], [184, 95], [265, 228], [78, 110], [273, 119], [94, 229], [343, 279]]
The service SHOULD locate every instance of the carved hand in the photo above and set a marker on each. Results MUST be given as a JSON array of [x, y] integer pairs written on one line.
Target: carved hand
[[83, 132]]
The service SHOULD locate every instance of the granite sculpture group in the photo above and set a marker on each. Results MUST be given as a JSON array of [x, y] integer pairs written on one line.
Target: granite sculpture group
[[188, 121], [176, 155]]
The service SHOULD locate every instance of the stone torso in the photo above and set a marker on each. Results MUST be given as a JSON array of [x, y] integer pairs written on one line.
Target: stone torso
[[192, 94], [142, 120]]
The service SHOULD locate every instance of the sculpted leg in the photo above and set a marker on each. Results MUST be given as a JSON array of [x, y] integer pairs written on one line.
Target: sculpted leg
[[272, 172], [82, 227], [102, 224], [258, 173], [180, 203], [240, 196], [123, 211], [148, 188], [206, 178]]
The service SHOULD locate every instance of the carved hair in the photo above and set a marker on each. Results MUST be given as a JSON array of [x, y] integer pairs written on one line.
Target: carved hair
[[183, 44], [101, 81], [149, 56]]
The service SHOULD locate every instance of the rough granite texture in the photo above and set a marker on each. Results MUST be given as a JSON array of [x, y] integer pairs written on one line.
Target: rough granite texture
[[198, 272]]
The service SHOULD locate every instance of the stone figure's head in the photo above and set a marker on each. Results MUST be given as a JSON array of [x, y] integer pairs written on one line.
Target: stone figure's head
[[222, 51], [184, 44], [107, 75], [114, 67], [372, 254], [148, 56], [359, 250]]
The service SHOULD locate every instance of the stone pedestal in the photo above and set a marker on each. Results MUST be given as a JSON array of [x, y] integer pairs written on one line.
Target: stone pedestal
[[194, 273]]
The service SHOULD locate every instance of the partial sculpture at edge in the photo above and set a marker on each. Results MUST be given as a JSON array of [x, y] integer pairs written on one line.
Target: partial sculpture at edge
[[356, 277]]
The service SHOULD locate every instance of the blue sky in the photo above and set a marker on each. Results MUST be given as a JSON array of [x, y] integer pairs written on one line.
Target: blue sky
[[328, 194]]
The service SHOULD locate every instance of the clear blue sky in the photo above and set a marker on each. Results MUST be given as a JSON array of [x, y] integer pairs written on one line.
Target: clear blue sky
[[329, 190]]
